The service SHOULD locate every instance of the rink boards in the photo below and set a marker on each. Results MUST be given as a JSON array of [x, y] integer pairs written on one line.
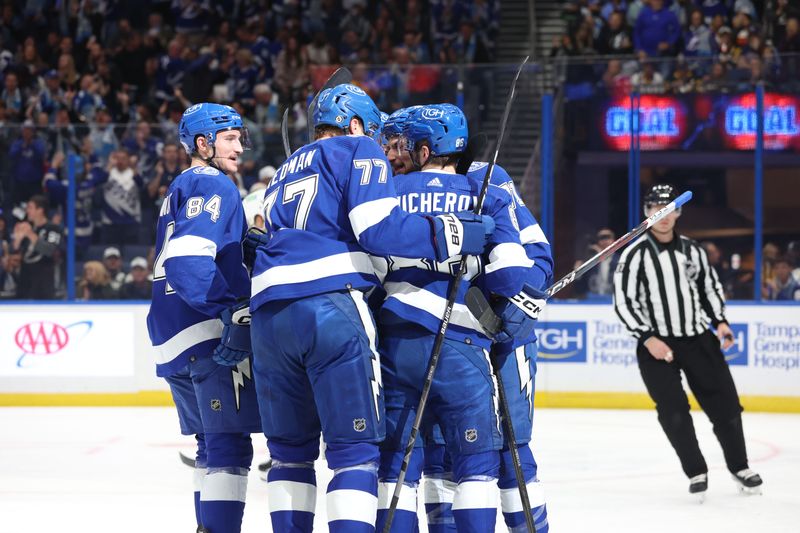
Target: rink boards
[[91, 354]]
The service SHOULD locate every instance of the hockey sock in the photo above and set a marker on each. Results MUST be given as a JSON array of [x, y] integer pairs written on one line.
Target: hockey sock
[[199, 474], [224, 487], [405, 516], [292, 494], [439, 489], [474, 503], [510, 499], [353, 492]]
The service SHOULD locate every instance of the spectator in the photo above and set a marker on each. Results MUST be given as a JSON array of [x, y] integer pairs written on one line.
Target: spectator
[[468, 45], [291, 70], [243, 77], [12, 97], [648, 80], [112, 261], [166, 170], [657, 30], [27, 159], [319, 51], [615, 37], [96, 283], [102, 136], [600, 281], [122, 208], [793, 254], [697, 37], [37, 242], [138, 287], [783, 286]]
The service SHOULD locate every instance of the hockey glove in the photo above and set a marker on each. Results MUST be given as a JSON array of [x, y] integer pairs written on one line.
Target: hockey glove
[[461, 233], [255, 237], [234, 346], [519, 314]]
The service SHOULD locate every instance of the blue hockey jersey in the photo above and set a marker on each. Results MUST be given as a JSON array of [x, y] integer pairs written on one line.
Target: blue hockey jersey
[[198, 270], [531, 235], [329, 206], [416, 289]]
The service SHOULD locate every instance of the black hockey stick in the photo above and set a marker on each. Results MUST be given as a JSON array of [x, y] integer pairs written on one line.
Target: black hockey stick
[[452, 292], [191, 463], [287, 148], [474, 149], [342, 75]]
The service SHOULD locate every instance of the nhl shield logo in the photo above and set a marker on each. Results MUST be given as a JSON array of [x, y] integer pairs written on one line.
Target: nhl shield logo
[[216, 405], [359, 424], [471, 435]]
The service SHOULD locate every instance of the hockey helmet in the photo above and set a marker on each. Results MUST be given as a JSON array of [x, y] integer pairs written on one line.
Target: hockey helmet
[[444, 126], [397, 120], [208, 119], [338, 105], [661, 194]]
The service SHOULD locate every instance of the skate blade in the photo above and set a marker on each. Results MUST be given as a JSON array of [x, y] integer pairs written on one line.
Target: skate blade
[[700, 496], [750, 491]]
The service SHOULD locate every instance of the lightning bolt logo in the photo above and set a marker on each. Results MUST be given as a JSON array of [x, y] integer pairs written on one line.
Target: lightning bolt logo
[[376, 382], [525, 378], [239, 373], [495, 391]]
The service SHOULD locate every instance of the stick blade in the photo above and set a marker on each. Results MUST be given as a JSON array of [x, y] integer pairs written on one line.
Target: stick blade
[[342, 75], [683, 198], [480, 308], [287, 148]]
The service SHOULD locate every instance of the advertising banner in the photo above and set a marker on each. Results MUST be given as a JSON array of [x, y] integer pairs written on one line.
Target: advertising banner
[[586, 348], [67, 341]]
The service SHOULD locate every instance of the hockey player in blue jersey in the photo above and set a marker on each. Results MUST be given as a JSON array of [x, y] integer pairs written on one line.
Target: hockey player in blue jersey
[[463, 399], [518, 368], [329, 206], [199, 319]]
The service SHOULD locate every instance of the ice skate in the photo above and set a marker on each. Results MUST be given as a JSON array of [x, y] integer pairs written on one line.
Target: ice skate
[[698, 485], [748, 481]]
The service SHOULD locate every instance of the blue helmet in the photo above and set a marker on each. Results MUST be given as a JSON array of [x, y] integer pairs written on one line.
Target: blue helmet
[[397, 120], [444, 126], [338, 105], [208, 119]]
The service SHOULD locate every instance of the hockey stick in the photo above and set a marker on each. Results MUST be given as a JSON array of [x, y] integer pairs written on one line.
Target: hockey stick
[[287, 148], [342, 75], [452, 292], [480, 308], [475, 147]]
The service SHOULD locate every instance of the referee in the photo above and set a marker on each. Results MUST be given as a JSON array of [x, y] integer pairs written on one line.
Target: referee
[[666, 293]]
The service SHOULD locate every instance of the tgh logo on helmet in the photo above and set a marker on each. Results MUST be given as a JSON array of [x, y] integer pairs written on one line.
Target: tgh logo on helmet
[[432, 113], [355, 90], [192, 109]]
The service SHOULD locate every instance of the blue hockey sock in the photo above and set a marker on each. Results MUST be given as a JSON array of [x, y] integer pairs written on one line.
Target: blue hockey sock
[[510, 499], [474, 503], [199, 474], [405, 516], [353, 499], [439, 492], [222, 499], [292, 495]]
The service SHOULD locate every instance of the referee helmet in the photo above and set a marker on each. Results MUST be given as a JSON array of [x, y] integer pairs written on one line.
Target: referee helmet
[[659, 195]]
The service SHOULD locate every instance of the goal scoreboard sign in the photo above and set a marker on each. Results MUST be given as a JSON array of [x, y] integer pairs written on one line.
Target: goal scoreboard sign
[[698, 122]]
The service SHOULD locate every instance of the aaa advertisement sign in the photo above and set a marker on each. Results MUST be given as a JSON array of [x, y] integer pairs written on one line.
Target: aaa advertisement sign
[[68, 343]]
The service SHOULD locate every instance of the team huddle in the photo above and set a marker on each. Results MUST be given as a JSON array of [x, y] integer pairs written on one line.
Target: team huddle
[[322, 323]]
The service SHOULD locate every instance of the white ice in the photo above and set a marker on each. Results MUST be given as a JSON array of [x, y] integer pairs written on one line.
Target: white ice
[[117, 470]]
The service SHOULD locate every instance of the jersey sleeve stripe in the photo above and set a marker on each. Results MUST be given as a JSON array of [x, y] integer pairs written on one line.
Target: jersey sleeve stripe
[[532, 234], [364, 216], [191, 336], [430, 303], [324, 267], [507, 255], [191, 245]]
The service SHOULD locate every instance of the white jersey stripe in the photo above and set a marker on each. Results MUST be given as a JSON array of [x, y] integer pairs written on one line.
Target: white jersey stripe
[[532, 235], [507, 255], [191, 245], [364, 216], [430, 303], [194, 334], [287, 495], [512, 503], [438, 490], [324, 267]]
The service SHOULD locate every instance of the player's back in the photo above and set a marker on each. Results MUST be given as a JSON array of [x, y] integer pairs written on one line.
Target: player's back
[[201, 217], [417, 289]]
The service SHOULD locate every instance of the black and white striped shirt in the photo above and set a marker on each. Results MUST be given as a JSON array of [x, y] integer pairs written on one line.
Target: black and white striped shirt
[[669, 290]]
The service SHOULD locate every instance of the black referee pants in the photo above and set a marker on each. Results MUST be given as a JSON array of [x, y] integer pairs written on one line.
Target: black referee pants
[[710, 380]]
